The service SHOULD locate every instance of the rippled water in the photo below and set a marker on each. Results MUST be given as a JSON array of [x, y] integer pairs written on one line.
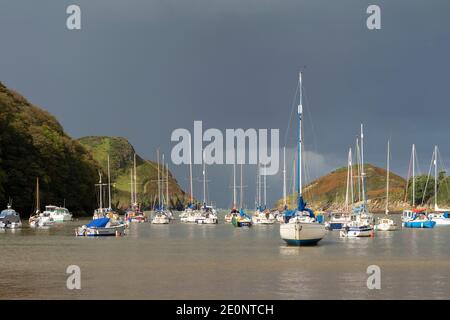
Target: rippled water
[[180, 261]]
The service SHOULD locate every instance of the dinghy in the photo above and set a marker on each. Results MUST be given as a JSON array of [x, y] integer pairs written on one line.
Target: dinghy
[[241, 220]]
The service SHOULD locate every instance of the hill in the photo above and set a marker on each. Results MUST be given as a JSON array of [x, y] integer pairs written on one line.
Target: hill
[[34, 144], [328, 192], [121, 154]]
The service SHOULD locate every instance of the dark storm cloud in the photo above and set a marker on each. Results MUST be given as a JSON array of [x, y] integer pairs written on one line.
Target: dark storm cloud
[[140, 69]]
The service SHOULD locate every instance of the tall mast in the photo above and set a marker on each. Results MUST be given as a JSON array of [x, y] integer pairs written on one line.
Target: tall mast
[[37, 196], [109, 186], [204, 179], [190, 171], [135, 180], [299, 148], [363, 191], [131, 186], [284, 177], [265, 191], [241, 195], [293, 182], [234, 184], [414, 175], [358, 163], [351, 176], [387, 177], [101, 190], [348, 180], [435, 178], [259, 185], [167, 185], [159, 180]]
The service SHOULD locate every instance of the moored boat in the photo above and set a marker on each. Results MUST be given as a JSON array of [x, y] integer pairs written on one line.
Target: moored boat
[[10, 219], [101, 227]]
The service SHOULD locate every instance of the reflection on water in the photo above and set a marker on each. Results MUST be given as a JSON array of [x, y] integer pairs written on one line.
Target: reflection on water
[[183, 261]]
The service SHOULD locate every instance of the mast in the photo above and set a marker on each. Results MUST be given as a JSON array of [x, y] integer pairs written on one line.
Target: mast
[[259, 186], [284, 177], [241, 191], [349, 161], [299, 149], [190, 171], [234, 184], [351, 176], [167, 185], [387, 177], [204, 179], [101, 190], [358, 163], [37, 196], [131, 186], [159, 181], [135, 180], [109, 186], [363, 191], [293, 181], [435, 178], [414, 175], [265, 191]]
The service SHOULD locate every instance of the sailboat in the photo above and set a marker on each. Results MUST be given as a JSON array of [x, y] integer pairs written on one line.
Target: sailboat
[[416, 217], [234, 211], [263, 215], [40, 219], [108, 212], [134, 213], [385, 224], [362, 221], [190, 213], [208, 212], [339, 219], [9, 218], [242, 219], [439, 215], [301, 227], [161, 213]]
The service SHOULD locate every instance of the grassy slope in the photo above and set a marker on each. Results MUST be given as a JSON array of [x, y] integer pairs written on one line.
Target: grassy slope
[[121, 161]]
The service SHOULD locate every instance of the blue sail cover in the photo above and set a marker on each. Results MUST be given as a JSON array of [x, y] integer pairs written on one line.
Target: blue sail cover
[[98, 223], [243, 214], [301, 206]]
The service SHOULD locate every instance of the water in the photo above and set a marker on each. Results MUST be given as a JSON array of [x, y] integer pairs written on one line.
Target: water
[[181, 261]]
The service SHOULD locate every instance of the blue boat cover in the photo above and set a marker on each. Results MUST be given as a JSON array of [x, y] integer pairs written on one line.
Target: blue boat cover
[[243, 214], [446, 215], [98, 223], [300, 208]]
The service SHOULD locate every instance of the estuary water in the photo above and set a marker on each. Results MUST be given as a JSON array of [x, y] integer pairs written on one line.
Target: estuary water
[[182, 261]]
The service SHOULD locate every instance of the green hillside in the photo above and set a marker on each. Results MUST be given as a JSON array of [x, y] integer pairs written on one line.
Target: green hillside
[[33, 144], [328, 192], [121, 154]]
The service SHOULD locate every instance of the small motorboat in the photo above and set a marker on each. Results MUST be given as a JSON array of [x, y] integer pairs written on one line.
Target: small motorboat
[[208, 216], [101, 227], [10, 219], [356, 229], [386, 224]]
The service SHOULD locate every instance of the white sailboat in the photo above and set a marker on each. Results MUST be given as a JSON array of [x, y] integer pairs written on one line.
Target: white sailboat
[[362, 221], [134, 213], [234, 211], [108, 212], [40, 219], [161, 214], [242, 219], [208, 212], [385, 224], [439, 215], [263, 215], [301, 228]]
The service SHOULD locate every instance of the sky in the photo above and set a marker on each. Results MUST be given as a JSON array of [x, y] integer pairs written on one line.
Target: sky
[[141, 69]]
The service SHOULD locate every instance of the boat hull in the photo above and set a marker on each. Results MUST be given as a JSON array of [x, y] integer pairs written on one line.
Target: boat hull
[[101, 232], [302, 234], [427, 224]]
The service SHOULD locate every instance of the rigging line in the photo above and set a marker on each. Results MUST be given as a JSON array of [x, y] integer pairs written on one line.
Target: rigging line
[[445, 171], [428, 178], [291, 115], [408, 178]]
